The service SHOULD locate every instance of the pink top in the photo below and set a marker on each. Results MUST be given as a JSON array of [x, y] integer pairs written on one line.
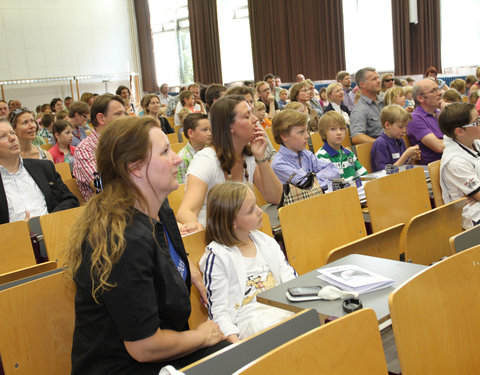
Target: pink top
[[57, 155]]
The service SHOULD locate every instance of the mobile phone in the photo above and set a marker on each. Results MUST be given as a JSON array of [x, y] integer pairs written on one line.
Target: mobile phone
[[304, 291]]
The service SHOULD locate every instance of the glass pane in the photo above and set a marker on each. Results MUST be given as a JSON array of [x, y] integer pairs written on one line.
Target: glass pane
[[460, 33], [368, 34], [235, 42]]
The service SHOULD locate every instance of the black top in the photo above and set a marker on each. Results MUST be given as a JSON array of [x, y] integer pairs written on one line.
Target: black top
[[267, 105], [149, 293], [166, 128], [343, 107], [57, 195]]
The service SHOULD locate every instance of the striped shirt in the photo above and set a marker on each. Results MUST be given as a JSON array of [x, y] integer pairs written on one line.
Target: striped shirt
[[287, 163], [345, 160], [186, 153], [85, 163], [22, 193]]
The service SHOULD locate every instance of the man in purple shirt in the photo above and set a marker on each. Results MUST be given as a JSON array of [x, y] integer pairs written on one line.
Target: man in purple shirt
[[344, 78], [424, 129]]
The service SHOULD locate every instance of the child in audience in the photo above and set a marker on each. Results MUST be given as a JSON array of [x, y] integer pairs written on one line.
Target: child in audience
[[63, 150], [473, 97], [297, 106], [240, 262], [198, 131], [283, 98], [459, 85], [396, 95], [333, 129], [46, 132], [390, 148], [293, 161], [323, 97], [184, 112], [259, 112], [451, 96], [187, 98], [409, 102], [460, 163]]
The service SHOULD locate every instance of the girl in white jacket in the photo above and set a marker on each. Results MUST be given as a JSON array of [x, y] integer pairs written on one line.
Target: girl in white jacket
[[240, 262]]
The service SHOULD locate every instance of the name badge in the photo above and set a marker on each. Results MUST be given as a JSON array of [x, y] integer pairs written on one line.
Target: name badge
[[396, 155]]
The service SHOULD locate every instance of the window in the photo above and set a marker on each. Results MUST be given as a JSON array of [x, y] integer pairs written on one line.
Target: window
[[368, 34], [460, 34], [235, 42], [171, 41]]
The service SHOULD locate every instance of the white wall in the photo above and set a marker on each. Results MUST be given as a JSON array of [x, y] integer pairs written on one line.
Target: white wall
[[55, 38]]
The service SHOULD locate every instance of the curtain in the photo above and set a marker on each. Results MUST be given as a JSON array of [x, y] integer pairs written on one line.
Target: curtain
[[297, 36], [207, 67], [145, 45], [416, 46]]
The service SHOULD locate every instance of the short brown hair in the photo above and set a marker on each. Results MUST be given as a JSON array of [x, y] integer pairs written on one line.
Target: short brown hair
[[295, 89], [393, 113], [191, 122], [327, 120], [240, 90], [341, 75], [185, 95], [285, 121], [100, 105], [80, 107], [451, 96], [454, 115], [223, 203], [146, 101], [458, 84], [296, 106]]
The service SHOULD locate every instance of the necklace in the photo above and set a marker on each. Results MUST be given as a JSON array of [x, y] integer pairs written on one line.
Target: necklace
[[245, 171]]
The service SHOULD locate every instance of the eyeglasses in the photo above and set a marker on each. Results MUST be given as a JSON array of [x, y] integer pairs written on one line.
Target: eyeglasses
[[473, 124], [389, 80], [304, 90], [433, 91]]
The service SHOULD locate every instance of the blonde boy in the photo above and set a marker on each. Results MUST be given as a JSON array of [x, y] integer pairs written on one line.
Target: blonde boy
[[390, 148], [198, 131], [283, 98], [332, 129], [293, 161], [259, 112]]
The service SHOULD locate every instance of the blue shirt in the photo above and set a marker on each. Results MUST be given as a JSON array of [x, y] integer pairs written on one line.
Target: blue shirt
[[179, 263], [386, 150], [287, 163]]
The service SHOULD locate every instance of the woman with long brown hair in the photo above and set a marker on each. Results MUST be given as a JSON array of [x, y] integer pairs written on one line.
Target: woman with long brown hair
[[128, 262]]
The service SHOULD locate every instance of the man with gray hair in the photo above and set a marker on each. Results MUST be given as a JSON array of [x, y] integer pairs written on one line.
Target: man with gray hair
[[365, 123]]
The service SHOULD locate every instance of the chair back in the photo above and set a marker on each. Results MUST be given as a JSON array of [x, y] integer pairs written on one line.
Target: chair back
[[434, 170], [435, 317], [258, 196], [36, 328], [397, 198], [309, 239], [347, 142], [465, 240], [176, 147], [46, 146], [317, 142], [171, 120], [426, 236], [328, 350], [16, 249], [63, 169], [364, 155], [26, 272], [172, 138], [56, 229], [406, 140], [269, 132], [175, 198], [383, 244], [72, 185]]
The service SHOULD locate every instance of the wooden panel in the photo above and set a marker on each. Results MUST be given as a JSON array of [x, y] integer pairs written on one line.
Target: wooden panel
[[435, 317], [63, 169], [383, 244], [36, 328], [465, 240], [74, 189], [56, 228], [364, 156], [275, 145], [16, 249], [175, 198], [258, 196], [172, 138], [397, 198], [434, 170], [317, 142], [329, 350], [26, 272], [347, 142], [176, 147], [46, 146], [315, 226], [171, 121], [426, 236]]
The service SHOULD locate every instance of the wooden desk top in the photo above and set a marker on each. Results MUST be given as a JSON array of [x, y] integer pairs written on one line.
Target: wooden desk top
[[377, 300]]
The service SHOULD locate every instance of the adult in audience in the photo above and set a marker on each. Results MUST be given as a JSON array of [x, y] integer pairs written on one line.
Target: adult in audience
[[105, 109], [87, 97], [56, 105], [77, 116], [275, 90], [67, 101], [424, 129], [124, 92], [344, 78], [386, 83], [335, 96], [410, 81], [314, 102], [195, 89], [151, 106], [163, 96], [300, 92], [129, 265], [214, 92], [278, 81], [247, 92], [265, 96], [365, 123], [4, 111], [14, 104], [432, 73], [28, 187], [237, 153], [300, 77], [25, 127]]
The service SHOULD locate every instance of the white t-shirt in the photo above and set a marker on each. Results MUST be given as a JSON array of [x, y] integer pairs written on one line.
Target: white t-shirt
[[206, 166]]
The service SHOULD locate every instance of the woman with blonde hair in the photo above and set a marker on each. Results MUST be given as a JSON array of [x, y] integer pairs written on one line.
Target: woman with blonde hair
[[335, 96], [129, 265], [396, 95]]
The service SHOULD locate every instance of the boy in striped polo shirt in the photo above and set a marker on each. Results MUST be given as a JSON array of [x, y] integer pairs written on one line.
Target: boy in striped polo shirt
[[332, 129]]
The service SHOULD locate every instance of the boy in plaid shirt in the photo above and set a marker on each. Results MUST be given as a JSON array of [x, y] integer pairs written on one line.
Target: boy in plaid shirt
[[198, 131]]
